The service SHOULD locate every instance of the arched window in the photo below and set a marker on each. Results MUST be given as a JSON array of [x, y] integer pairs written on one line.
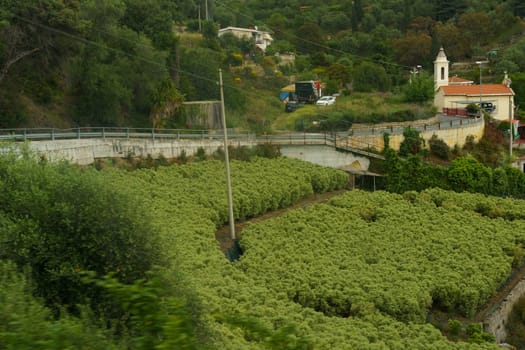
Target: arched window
[[442, 73]]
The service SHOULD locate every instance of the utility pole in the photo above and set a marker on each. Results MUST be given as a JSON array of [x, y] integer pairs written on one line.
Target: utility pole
[[227, 160], [511, 120], [479, 63], [200, 26]]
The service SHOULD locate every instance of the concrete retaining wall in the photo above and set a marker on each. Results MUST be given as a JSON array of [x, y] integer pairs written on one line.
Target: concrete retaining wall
[[496, 321], [326, 156], [451, 136], [85, 151]]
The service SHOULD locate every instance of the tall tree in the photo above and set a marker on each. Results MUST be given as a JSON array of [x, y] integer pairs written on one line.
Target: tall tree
[[447, 9], [518, 7], [309, 38], [371, 77], [475, 26], [29, 28], [153, 18], [357, 15], [115, 75], [452, 38], [413, 49]]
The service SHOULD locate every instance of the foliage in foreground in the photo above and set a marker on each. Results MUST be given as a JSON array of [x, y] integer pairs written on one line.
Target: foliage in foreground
[[85, 237], [57, 220], [214, 290]]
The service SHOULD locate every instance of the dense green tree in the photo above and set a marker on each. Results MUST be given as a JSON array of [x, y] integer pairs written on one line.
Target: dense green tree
[[278, 23], [452, 39], [309, 39], [413, 49], [518, 85], [516, 54], [26, 324], [447, 9], [335, 21], [114, 76], [357, 14], [420, 87], [30, 37], [518, 7], [370, 77], [500, 185], [27, 30], [438, 147], [152, 18], [201, 86], [468, 174], [166, 102], [412, 142], [422, 25], [63, 221], [475, 26], [338, 73]]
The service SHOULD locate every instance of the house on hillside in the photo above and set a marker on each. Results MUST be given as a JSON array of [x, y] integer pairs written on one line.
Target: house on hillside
[[262, 38], [452, 95]]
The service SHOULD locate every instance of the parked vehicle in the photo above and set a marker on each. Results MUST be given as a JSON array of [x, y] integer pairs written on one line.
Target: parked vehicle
[[326, 101], [488, 107], [307, 91], [291, 106]]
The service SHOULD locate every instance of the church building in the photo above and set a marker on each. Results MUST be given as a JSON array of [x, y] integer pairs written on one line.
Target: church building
[[452, 95]]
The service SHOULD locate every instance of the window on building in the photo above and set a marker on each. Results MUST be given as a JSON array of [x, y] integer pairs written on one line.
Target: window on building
[[442, 73]]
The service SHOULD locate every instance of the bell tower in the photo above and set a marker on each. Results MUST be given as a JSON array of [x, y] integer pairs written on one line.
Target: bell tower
[[441, 70]]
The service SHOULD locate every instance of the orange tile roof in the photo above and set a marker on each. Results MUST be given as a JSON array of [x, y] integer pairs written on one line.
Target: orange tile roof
[[486, 89]]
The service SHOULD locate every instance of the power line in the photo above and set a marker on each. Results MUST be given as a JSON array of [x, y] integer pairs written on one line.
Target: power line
[[319, 45], [103, 46], [94, 43]]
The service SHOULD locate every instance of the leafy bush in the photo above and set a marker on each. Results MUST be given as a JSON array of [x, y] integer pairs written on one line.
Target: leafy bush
[[467, 174], [454, 327], [439, 148], [61, 220], [412, 142], [26, 324]]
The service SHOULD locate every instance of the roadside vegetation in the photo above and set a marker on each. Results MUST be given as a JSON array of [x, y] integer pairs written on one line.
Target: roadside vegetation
[[362, 108]]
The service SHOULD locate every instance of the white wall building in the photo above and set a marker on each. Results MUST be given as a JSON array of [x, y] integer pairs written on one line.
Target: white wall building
[[262, 38], [453, 95]]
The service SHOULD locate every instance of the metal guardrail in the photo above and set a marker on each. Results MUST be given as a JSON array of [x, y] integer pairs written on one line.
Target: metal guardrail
[[51, 134], [23, 134], [398, 129], [335, 139]]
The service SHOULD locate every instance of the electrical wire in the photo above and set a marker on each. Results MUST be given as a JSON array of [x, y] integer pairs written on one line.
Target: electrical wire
[[316, 44], [94, 43]]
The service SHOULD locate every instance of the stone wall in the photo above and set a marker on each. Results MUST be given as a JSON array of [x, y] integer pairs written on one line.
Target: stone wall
[[451, 136], [85, 151], [496, 321]]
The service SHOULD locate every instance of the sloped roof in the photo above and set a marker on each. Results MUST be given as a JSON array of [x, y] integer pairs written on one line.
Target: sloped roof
[[474, 90]]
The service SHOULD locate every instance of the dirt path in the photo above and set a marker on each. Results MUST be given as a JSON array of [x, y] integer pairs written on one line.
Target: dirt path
[[223, 234]]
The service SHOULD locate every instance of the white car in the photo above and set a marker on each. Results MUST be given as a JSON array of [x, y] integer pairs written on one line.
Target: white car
[[326, 101]]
